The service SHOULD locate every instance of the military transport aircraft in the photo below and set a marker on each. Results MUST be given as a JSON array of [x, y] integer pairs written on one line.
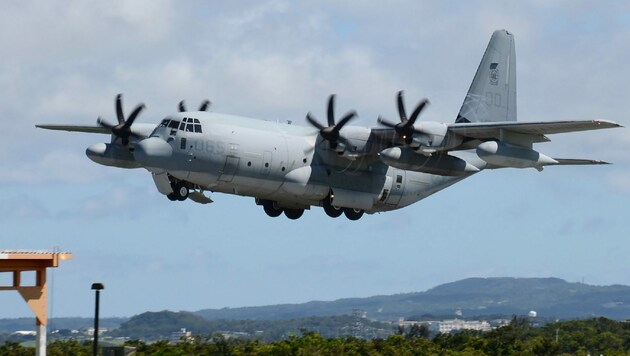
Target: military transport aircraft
[[345, 169]]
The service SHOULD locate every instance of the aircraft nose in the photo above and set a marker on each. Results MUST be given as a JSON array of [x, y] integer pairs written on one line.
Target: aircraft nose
[[153, 152]]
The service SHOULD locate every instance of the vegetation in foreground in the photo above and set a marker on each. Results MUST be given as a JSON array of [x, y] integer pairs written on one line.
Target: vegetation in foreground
[[581, 337]]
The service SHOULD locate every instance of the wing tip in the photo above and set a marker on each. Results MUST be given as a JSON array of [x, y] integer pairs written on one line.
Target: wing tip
[[578, 162], [609, 123]]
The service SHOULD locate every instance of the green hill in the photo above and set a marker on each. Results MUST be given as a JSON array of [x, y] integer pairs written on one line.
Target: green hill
[[549, 297]]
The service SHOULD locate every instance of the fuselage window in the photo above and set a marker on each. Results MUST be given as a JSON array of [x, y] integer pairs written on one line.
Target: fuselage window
[[398, 179], [182, 126], [173, 124], [189, 128], [198, 128], [164, 123], [182, 144]]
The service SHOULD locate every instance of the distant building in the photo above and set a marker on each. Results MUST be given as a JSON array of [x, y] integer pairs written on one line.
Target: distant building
[[25, 333], [179, 336], [448, 326], [90, 331]]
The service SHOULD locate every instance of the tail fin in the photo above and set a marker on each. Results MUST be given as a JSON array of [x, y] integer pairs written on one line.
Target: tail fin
[[492, 93]]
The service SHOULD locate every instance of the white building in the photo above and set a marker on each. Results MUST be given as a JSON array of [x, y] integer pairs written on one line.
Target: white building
[[447, 326]]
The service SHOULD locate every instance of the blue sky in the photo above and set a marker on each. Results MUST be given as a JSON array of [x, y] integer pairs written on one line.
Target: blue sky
[[64, 62]]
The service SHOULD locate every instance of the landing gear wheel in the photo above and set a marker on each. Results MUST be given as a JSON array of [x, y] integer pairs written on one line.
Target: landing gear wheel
[[171, 197], [180, 191], [330, 210], [293, 214], [271, 210], [353, 214]]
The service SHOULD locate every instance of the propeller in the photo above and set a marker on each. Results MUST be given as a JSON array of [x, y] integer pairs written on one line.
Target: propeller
[[123, 129], [405, 127], [203, 107], [330, 133]]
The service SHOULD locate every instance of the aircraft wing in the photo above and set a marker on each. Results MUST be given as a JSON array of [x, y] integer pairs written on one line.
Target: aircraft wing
[[538, 130], [576, 162], [75, 128], [139, 129]]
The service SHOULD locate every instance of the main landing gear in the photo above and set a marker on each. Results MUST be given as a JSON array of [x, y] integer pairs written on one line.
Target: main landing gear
[[273, 210], [180, 191], [335, 212]]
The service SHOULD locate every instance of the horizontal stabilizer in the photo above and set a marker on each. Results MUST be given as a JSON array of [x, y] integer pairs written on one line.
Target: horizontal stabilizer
[[577, 162]]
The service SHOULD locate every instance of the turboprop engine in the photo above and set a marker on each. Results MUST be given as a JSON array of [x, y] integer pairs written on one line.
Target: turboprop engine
[[441, 164], [112, 155], [502, 154]]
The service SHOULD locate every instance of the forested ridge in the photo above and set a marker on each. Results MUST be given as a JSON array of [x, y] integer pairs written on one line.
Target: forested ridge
[[592, 336]]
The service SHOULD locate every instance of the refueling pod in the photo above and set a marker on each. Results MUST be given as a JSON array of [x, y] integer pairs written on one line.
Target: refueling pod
[[502, 154], [440, 164]]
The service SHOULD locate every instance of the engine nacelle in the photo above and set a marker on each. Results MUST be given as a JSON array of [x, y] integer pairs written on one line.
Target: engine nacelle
[[111, 155], [440, 164], [356, 139], [434, 137], [501, 154]]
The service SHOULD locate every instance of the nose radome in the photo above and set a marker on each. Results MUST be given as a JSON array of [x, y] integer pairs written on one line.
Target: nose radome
[[153, 152]]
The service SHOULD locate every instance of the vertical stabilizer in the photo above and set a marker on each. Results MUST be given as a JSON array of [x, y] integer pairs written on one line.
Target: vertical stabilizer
[[492, 93]]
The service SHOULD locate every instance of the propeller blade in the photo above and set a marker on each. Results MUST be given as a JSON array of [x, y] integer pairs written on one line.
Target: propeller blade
[[401, 107], [418, 110], [314, 122], [384, 122], [330, 133], [119, 110], [133, 116], [331, 110], [205, 105], [123, 129], [182, 107], [344, 120], [104, 124], [405, 128]]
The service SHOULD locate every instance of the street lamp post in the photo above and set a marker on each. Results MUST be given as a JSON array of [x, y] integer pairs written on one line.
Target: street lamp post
[[97, 287]]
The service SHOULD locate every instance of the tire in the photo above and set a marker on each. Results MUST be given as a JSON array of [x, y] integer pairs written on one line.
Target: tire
[[180, 191], [172, 197], [330, 210], [293, 214], [270, 210], [353, 214]]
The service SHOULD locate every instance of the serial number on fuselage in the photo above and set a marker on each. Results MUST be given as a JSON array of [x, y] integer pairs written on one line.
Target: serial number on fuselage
[[214, 147]]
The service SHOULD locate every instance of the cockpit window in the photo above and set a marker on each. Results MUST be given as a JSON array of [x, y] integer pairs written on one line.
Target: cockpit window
[[191, 125], [187, 124]]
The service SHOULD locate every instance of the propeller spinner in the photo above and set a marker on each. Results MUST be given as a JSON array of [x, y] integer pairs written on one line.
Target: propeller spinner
[[123, 129], [331, 132], [405, 127]]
